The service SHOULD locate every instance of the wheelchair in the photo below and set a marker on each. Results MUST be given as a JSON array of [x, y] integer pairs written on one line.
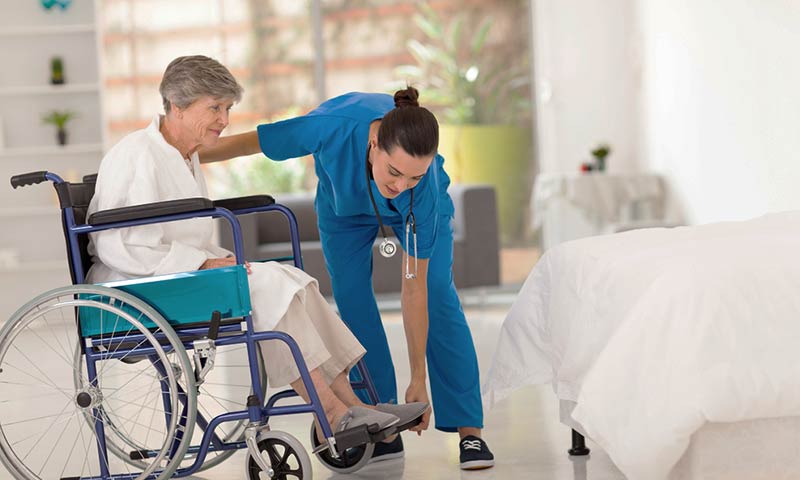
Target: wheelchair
[[157, 377]]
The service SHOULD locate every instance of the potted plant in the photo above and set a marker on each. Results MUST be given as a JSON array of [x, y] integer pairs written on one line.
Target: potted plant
[[483, 103], [600, 153], [59, 118], [56, 71]]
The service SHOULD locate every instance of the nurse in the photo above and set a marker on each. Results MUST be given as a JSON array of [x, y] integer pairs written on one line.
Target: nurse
[[376, 161]]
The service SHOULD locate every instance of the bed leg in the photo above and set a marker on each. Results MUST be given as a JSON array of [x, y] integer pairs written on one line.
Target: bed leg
[[578, 445]]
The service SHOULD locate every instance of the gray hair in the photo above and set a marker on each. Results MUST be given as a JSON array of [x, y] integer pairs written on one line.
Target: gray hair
[[187, 79]]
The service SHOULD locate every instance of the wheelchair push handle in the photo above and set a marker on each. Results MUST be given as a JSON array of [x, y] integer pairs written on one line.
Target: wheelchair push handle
[[32, 178]]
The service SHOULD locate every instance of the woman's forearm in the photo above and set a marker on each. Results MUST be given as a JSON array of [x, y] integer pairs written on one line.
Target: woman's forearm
[[414, 300], [231, 146]]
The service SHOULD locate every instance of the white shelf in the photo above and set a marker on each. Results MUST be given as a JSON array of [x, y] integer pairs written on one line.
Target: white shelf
[[45, 211], [52, 150], [46, 30], [38, 266], [50, 89]]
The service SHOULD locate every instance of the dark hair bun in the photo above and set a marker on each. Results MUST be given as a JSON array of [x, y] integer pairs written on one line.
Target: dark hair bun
[[406, 97]]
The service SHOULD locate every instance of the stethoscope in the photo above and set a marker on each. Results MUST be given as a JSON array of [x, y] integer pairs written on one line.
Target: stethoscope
[[387, 247]]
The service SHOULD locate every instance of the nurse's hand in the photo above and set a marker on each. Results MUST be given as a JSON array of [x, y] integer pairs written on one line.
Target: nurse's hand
[[418, 392]]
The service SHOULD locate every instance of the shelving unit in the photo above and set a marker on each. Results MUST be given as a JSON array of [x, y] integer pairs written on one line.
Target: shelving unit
[[47, 30], [56, 150], [30, 37], [49, 89]]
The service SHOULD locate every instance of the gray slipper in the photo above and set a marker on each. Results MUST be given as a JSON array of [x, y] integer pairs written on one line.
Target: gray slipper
[[406, 412], [356, 416]]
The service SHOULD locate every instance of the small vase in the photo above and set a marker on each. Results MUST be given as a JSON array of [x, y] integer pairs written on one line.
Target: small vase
[[601, 164], [62, 136]]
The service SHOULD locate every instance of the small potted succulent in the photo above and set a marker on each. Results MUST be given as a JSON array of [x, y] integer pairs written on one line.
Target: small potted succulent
[[59, 118], [600, 153], [56, 71]]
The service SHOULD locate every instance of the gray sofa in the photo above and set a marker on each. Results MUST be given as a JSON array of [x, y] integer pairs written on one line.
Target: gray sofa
[[476, 256]]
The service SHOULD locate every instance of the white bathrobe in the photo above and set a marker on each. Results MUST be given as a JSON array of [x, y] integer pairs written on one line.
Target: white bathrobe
[[144, 168]]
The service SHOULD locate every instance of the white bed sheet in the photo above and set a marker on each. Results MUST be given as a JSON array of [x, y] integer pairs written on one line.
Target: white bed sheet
[[747, 450], [655, 332]]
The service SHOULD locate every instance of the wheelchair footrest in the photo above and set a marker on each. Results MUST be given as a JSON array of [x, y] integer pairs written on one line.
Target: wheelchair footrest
[[360, 435], [363, 434], [406, 426]]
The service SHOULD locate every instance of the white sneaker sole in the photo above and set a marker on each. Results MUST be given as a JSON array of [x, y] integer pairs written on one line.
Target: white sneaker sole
[[477, 464]]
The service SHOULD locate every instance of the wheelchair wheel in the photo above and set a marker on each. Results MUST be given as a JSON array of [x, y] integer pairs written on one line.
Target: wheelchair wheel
[[284, 453], [351, 460], [225, 389], [46, 399]]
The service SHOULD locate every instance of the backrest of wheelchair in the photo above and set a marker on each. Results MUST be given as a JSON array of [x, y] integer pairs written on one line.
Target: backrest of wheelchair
[[76, 196]]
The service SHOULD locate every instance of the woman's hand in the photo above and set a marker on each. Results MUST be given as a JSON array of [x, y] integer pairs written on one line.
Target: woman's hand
[[223, 262], [418, 392]]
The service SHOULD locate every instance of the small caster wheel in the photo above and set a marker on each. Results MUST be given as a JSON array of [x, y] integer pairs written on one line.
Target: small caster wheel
[[286, 456], [351, 460]]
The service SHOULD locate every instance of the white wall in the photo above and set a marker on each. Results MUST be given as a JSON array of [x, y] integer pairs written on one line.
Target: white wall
[[586, 72], [703, 91], [721, 104]]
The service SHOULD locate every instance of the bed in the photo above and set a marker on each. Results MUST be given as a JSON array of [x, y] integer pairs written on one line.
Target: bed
[[675, 350]]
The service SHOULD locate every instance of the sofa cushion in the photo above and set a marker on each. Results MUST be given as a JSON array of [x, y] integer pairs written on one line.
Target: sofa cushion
[[273, 226]]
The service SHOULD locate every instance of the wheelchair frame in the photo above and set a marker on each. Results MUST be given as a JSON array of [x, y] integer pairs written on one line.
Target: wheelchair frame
[[259, 409]]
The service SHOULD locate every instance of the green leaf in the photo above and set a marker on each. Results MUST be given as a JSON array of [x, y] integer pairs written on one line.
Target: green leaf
[[429, 27], [453, 41], [421, 53], [480, 38]]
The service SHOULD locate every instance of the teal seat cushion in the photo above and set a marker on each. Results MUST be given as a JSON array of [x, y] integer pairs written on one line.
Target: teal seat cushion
[[181, 298]]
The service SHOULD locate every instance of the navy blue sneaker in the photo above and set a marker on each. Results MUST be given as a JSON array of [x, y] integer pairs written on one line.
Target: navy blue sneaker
[[475, 454], [388, 451]]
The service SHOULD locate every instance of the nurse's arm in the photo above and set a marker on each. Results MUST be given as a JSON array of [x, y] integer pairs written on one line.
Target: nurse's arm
[[414, 300], [231, 146]]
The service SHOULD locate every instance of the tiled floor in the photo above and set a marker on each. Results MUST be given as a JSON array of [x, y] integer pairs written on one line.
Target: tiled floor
[[523, 432]]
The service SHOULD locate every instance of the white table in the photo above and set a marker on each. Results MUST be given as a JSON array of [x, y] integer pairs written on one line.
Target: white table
[[571, 205]]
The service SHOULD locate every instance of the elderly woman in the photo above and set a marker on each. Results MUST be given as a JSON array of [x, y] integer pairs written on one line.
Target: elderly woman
[[160, 163]]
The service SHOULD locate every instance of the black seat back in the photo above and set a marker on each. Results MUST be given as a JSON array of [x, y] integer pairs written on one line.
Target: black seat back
[[76, 196]]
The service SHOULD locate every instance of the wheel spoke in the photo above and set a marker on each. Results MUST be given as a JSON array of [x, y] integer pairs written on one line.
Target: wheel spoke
[[47, 377], [74, 444], [55, 446]]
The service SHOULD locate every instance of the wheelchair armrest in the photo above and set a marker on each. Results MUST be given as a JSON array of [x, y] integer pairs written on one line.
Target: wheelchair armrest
[[150, 210], [241, 203]]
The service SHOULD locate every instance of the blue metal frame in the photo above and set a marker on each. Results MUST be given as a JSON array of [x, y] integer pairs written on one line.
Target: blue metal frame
[[210, 440]]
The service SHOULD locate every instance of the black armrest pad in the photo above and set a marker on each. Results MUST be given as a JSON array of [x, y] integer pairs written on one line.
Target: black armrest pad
[[150, 210], [240, 203]]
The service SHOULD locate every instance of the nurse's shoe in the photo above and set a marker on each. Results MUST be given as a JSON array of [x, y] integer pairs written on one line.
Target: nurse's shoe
[[475, 454], [388, 450]]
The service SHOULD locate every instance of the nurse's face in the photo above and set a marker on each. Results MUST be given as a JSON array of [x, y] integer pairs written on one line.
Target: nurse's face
[[396, 171], [203, 121]]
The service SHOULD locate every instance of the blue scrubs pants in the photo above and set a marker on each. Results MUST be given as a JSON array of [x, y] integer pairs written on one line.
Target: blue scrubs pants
[[452, 362]]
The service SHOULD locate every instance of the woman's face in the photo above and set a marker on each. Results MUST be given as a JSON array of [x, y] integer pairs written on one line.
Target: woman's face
[[396, 172], [203, 121]]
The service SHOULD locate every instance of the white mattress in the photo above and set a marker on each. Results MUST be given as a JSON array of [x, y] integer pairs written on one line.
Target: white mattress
[[656, 333]]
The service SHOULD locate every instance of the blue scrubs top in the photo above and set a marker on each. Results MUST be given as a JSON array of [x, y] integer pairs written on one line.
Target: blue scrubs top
[[336, 133]]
